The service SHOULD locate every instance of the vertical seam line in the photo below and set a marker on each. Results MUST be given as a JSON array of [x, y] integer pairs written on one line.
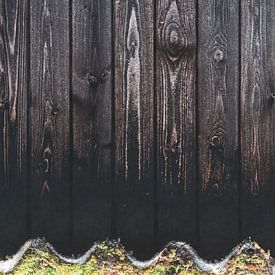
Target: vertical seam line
[[197, 128], [155, 128], [29, 137], [113, 132], [71, 232], [239, 129]]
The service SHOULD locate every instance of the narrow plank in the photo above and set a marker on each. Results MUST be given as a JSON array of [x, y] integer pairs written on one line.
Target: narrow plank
[[13, 125], [257, 121], [218, 89], [50, 144], [176, 129], [92, 121], [134, 197]]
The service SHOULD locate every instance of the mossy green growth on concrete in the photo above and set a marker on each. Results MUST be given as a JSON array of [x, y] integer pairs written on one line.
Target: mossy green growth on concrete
[[110, 257], [250, 261], [107, 258]]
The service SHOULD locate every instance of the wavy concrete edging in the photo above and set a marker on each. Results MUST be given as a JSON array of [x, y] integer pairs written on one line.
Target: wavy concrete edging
[[205, 266]]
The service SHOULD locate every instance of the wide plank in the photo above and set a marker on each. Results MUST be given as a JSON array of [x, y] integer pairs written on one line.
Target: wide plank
[[50, 137], [257, 121], [14, 222], [92, 121], [134, 94], [176, 212], [218, 114]]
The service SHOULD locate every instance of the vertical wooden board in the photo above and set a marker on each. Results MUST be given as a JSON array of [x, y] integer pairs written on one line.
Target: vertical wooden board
[[257, 121], [50, 104], [92, 121], [13, 125], [218, 93], [134, 196], [176, 126]]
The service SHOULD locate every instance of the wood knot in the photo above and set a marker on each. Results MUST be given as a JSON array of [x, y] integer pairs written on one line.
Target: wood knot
[[92, 79], [86, 7], [272, 94], [54, 111], [216, 141], [175, 41], [174, 38], [218, 50], [218, 55], [104, 75]]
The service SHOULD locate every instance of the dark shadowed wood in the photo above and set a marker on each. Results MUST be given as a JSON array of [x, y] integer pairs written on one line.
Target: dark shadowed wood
[[92, 111], [134, 124], [13, 125], [175, 94], [178, 144], [218, 89], [257, 121], [50, 180]]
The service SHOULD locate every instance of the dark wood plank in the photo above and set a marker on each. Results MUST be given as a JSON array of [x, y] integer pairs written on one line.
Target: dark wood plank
[[257, 121], [92, 121], [176, 101], [134, 72], [13, 125], [50, 104], [218, 92]]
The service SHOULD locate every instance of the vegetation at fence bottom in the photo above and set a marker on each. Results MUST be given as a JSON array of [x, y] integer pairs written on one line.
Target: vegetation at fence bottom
[[110, 257]]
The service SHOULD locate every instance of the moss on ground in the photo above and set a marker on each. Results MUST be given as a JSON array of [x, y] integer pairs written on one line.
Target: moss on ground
[[250, 261], [111, 258]]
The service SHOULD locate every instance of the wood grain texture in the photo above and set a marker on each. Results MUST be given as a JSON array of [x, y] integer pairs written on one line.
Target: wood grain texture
[[92, 121], [134, 124], [13, 125], [257, 121], [218, 101], [50, 104], [175, 94]]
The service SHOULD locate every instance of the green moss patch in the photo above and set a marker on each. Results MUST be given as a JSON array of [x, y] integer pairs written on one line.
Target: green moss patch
[[110, 257], [252, 260]]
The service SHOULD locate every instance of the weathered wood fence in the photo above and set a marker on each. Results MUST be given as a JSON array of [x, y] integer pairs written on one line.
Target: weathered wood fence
[[145, 120]]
